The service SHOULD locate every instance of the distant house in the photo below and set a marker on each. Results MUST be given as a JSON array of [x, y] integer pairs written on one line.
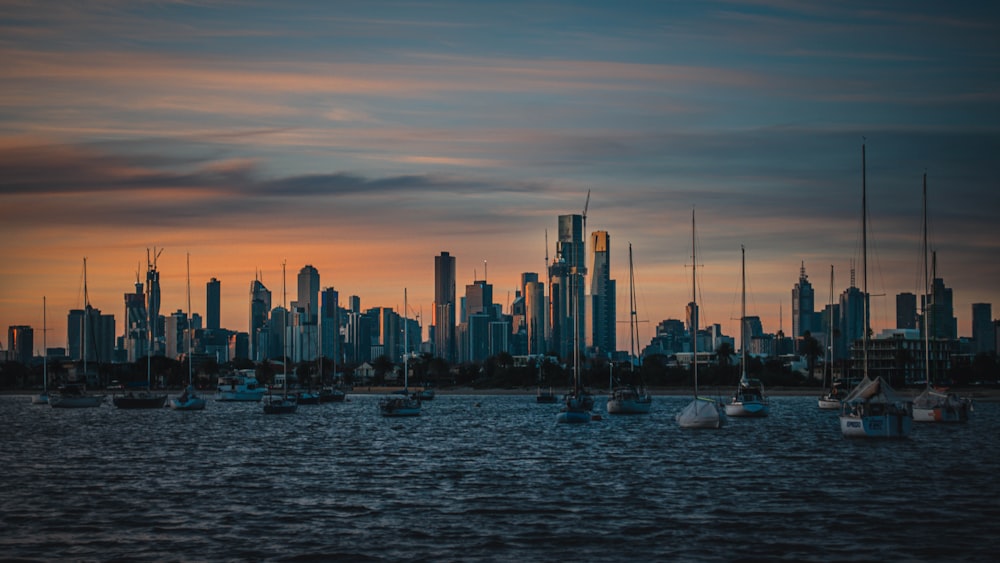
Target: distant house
[[364, 373]]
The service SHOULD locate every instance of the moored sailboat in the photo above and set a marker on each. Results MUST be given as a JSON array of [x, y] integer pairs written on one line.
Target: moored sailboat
[[402, 404], [873, 409], [74, 395], [749, 399], [701, 412], [935, 405], [146, 398], [631, 399], [285, 403], [832, 395], [189, 400], [43, 397]]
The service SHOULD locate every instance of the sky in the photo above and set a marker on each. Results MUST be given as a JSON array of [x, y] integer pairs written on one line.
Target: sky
[[364, 138]]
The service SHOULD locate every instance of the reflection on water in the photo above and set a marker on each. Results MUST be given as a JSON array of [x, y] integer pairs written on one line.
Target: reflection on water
[[487, 478]]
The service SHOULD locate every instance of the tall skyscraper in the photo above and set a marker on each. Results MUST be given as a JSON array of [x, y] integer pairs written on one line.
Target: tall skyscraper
[[260, 306], [308, 293], [983, 335], [941, 311], [329, 320], [213, 307], [444, 307], [602, 296], [852, 319], [534, 316], [135, 339], [567, 302], [906, 310], [803, 305]]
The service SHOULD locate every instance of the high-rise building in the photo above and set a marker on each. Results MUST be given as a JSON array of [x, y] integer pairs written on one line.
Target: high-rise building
[[478, 312], [135, 340], [803, 305], [329, 321], [176, 325], [906, 310], [20, 343], [534, 316], [213, 307], [308, 293], [444, 307], [983, 336], [260, 305], [567, 302], [604, 332], [852, 319], [91, 333], [278, 333]]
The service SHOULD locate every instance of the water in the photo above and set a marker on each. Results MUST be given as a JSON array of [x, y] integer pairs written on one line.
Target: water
[[486, 478]]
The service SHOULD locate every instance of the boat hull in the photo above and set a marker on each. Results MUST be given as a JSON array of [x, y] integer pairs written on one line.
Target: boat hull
[[87, 402], [941, 414], [749, 409], [40, 399], [629, 406], [281, 406], [828, 404], [142, 401], [189, 404], [399, 407], [253, 396], [573, 417], [884, 426]]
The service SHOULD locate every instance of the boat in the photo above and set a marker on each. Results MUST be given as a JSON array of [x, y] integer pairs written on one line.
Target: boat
[[873, 409], [578, 403], [749, 399], [43, 397], [308, 397], [546, 397], [935, 405], [332, 394], [832, 395], [701, 412], [145, 398], [189, 400], [629, 398], [426, 394], [285, 403], [240, 386], [405, 403], [74, 395]]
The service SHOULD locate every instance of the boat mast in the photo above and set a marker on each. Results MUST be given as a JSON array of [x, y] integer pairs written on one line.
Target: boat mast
[[829, 339], [743, 314], [406, 336], [864, 260], [189, 316], [634, 319], [694, 309], [45, 347], [284, 335]]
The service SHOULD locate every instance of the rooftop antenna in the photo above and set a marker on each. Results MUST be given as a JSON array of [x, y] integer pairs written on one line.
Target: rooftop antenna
[[485, 271]]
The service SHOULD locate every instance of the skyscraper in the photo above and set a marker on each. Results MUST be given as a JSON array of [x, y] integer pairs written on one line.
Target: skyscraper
[[135, 339], [567, 303], [602, 295], [308, 293], [444, 307], [213, 293], [534, 316], [20, 343], [329, 319], [260, 305], [983, 335], [941, 311], [803, 305], [906, 310]]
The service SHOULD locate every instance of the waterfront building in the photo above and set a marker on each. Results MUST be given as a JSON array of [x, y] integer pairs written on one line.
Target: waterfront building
[[444, 307], [852, 319], [175, 325], [329, 324], [941, 311], [259, 332], [603, 320], [308, 293], [535, 323], [134, 339], [100, 335]]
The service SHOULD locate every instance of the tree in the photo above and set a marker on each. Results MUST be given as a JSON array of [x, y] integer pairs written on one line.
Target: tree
[[811, 349]]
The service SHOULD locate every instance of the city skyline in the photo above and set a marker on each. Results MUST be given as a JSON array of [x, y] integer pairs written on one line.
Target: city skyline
[[367, 138]]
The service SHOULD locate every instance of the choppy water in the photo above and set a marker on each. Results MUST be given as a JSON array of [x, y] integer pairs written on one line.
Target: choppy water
[[486, 478]]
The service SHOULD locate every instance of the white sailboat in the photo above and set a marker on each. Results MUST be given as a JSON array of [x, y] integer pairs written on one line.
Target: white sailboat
[[631, 399], [189, 400], [832, 395], [873, 409], [749, 400], [285, 404], [43, 397], [403, 404], [74, 395], [701, 412], [933, 405]]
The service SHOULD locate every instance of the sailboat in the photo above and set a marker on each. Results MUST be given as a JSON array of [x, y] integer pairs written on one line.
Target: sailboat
[[189, 400], [578, 403], [145, 398], [933, 405], [403, 404], [873, 409], [43, 397], [701, 412], [749, 399], [629, 399], [285, 404], [832, 395], [74, 395]]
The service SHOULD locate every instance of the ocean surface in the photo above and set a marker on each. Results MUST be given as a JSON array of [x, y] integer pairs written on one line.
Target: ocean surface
[[489, 478]]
